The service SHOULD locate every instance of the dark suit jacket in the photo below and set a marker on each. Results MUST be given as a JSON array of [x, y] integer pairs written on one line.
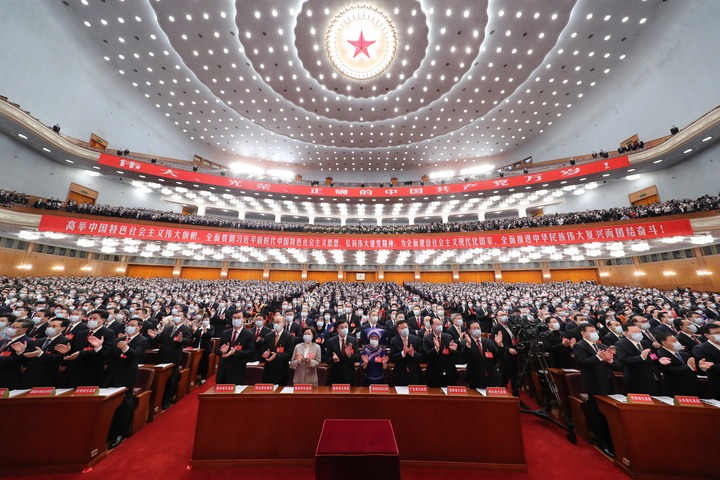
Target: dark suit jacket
[[88, 368], [510, 363], [117, 327], [596, 375], [679, 378], [559, 354], [664, 329], [232, 368], [640, 375], [42, 371], [407, 370], [612, 339], [77, 336], [38, 331], [11, 363], [712, 354], [452, 331], [122, 368], [170, 350], [278, 371], [687, 341], [482, 367], [202, 338], [259, 341], [440, 370], [344, 370]]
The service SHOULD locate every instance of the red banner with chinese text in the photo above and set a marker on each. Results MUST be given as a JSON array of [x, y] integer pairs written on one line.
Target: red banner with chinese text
[[511, 238], [515, 181]]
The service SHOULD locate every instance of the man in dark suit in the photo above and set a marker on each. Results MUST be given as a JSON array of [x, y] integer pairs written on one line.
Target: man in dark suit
[[203, 333], [123, 359], [114, 323], [343, 353], [483, 357], [84, 365], [441, 354], [597, 363], [12, 348], [279, 346], [236, 349], [456, 330], [76, 331], [707, 355], [557, 345], [173, 339], [259, 332], [615, 333], [43, 364], [679, 368], [639, 371], [509, 368], [406, 354], [666, 324], [40, 321], [688, 336], [292, 327]]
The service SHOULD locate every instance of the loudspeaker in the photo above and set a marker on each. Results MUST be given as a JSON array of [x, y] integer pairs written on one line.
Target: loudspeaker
[[194, 168], [153, 160], [674, 130], [572, 161]]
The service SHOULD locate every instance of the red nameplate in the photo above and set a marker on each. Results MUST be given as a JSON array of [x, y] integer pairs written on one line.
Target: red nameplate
[[85, 391], [225, 388], [302, 387], [264, 387], [417, 388], [4, 393], [319, 340], [688, 401], [497, 392], [6, 354], [639, 398], [456, 390], [238, 347], [281, 350], [87, 349], [378, 359], [70, 336], [379, 388], [488, 355], [42, 392], [446, 351], [341, 387]]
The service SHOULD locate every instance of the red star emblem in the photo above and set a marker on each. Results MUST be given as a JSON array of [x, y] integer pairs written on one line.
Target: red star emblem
[[361, 45]]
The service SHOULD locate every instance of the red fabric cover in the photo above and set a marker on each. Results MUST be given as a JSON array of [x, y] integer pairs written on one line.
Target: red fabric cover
[[357, 437]]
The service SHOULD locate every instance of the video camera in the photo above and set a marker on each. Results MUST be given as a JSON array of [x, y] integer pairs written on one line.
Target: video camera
[[527, 329]]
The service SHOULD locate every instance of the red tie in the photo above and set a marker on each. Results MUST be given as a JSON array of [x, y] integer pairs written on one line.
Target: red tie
[[342, 346], [479, 344], [234, 337]]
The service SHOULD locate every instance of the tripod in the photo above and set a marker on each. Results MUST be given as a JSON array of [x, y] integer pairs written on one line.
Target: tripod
[[534, 353]]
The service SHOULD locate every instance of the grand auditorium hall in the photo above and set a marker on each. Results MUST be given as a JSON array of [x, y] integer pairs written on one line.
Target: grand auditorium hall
[[338, 239]]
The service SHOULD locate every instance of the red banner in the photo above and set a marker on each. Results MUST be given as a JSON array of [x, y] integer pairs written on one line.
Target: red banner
[[511, 238], [177, 175]]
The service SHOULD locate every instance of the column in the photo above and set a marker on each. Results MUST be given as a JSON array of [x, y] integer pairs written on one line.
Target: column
[[445, 218], [343, 221], [177, 268], [547, 276], [498, 272], [456, 272], [311, 220], [411, 220], [278, 216], [379, 221], [481, 216], [224, 269], [201, 210], [522, 212], [241, 214]]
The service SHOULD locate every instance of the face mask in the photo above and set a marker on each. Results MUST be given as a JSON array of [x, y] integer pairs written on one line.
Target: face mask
[[277, 327], [303, 314], [476, 333], [289, 319], [51, 332], [692, 328], [327, 317], [36, 320], [119, 318], [177, 320], [3, 326], [458, 323], [205, 323], [416, 312], [320, 324], [716, 337], [307, 338], [10, 332], [644, 326], [156, 308], [374, 343], [427, 325], [636, 336], [677, 346], [348, 310], [438, 328], [554, 326], [503, 319], [343, 332], [594, 337], [17, 313], [617, 330], [440, 313], [92, 324], [259, 323], [130, 330], [404, 332], [237, 322], [74, 318]]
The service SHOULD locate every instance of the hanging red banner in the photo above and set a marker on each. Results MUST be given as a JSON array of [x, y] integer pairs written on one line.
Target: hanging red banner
[[512, 238]]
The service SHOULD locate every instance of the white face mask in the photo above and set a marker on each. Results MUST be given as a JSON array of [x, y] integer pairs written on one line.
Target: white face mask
[[36, 320], [237, 322], [307, 338], [277, 327], [320, 323], [618, 329], [476, 333], [177, 320], [51, 332], [205, 323], [438, 328], [716, 337], [677, 346], [636, 336], [404, 332], [130, 330], [74, 318], [92, 324], [554, 326], [593, 337], [259, 323], [374, 343], [343, 332]]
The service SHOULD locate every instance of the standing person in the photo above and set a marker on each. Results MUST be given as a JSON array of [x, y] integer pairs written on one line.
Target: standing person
[[305, 359], [236, 349], [202, 338], [277, 355], [483, 357], [171, 342], [342, 353], [406, 354], [374, 358], [441, 353]]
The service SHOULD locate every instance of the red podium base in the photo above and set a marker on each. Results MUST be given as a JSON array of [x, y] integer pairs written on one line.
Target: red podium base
[[357, 449]]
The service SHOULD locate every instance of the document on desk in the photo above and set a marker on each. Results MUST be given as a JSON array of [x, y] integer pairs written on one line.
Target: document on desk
[[664, 399], [288, 390], [240, 388], [253, 364], [444, 390], [619, 398], [710, 401], [482, 391], [570, 370], [105, 392], [15, 393], [402, 390], [162, 365], [60, 391]]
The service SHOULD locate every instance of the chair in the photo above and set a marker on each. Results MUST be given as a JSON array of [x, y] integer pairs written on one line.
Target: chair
[[184, 376], [576, 399], [142, 392]]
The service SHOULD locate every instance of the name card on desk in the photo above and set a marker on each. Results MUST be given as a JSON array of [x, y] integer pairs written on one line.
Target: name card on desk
[[640, 398], [497, 392], [264, 387], [417, 388], [42, 392], [341, 387], [688, 401], [86, 391], [456, 390], [225, 388], [302, 388], [4, 393], [379, 388]]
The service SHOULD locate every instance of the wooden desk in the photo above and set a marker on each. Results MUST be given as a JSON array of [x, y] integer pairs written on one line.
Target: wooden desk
[[162, 373], [75, 440], [195, 356], [638, 431], [286, 427]]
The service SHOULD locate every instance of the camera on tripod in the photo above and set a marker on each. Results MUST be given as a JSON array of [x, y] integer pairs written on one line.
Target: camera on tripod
[[527, 330]]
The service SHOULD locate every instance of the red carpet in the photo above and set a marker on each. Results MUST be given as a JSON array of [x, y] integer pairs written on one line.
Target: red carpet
[[162, 450]]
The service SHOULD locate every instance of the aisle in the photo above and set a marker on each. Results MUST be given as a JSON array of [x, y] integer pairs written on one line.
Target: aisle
[[162, 450]]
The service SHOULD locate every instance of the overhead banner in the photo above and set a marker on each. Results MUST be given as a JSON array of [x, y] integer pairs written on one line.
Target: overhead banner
[[515, 181], [513, 238]]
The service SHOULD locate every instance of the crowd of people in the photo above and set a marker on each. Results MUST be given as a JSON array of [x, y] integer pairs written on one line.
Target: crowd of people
[[13, 198], [670, 207]]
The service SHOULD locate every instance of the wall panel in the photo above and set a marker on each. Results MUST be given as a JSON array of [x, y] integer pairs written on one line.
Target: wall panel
[[574, 275], [352, 276], [323, 276], [482, 276], [285, 275], [400, 277], [199, 273], [244, 274], [42, 265], [436, 277], [149, 271], [522, 276]]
